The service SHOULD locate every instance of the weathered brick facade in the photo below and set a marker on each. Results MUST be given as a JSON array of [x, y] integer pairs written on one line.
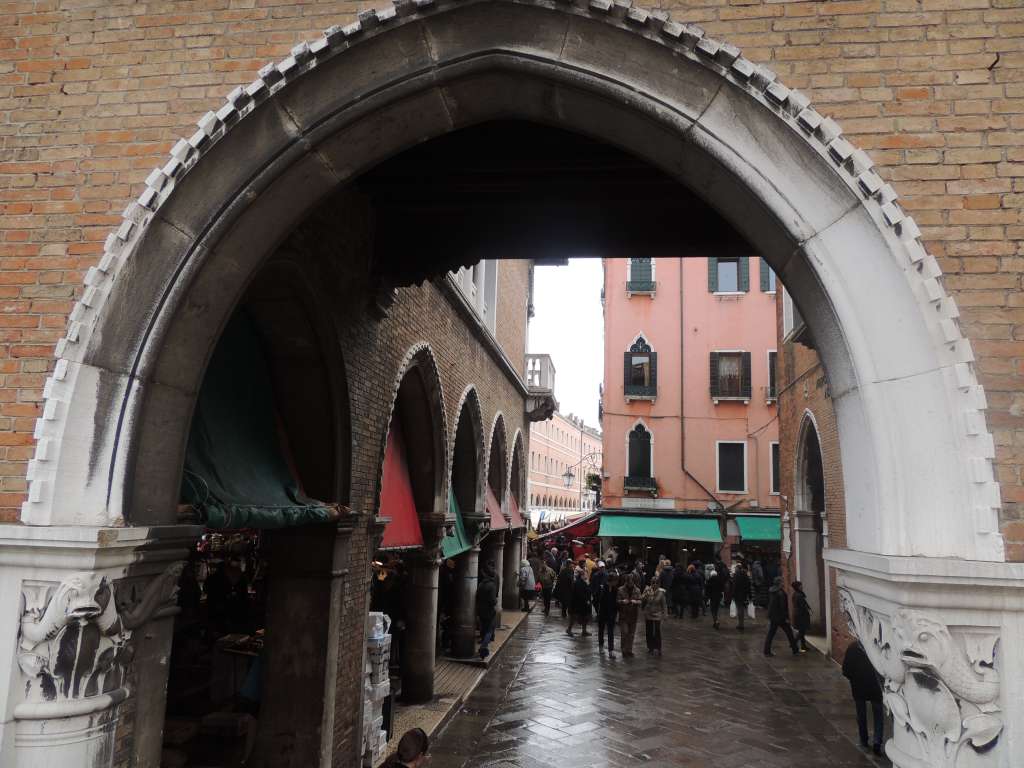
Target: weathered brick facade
[[93, 95], [804, 394]]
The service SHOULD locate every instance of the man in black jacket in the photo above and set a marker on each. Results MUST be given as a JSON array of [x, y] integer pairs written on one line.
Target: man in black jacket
[[864, 686], [486, 606], [778, 617]]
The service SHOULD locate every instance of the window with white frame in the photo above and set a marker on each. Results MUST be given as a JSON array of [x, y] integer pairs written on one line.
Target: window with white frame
[[731, 466], [775, 468], [728, 274]]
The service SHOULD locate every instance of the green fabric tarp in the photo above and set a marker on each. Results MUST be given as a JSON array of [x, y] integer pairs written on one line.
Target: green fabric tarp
[[759, 528], [458, 542], [651, 527], [235, 473]]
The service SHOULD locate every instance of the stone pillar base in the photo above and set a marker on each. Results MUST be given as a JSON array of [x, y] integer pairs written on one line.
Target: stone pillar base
[[420, 633], [464, 634], [946, 636]]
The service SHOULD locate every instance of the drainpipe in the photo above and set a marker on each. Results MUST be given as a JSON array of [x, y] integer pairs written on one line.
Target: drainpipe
[[682, 398]]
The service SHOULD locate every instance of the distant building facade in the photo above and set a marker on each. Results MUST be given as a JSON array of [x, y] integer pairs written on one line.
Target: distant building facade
[[688, 404], [560, 444]]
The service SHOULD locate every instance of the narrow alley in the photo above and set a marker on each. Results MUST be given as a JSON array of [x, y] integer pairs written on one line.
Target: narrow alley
[[713, 699]]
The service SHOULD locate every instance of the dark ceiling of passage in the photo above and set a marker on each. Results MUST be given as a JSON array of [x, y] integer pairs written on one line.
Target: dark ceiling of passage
[[514, 189]]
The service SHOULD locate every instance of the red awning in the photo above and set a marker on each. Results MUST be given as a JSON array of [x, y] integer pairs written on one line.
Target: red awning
[[498, 521], [515, 514], [396, 499], [581, 529]]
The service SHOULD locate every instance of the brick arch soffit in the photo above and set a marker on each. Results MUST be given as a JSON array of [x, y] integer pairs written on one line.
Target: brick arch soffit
[[518, 449], [469, 405], [420, 360], [499, 432], [972, 452]]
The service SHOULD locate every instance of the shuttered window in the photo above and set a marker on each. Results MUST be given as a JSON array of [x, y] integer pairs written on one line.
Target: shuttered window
[[728, 274], [772, 362], [767, 276], [639, 452], [641, 276], [730, 375], [732, 467]]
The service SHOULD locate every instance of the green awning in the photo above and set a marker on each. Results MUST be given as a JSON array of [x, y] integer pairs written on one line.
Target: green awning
[[759, 528], [458, 542], [651, 527], [236, 474]]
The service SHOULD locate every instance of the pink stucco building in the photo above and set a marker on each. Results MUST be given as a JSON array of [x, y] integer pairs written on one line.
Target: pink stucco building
[[558, 444], [688, 405]]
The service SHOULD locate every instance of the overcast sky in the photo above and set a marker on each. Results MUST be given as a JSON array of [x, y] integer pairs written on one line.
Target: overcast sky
[[569, 326]]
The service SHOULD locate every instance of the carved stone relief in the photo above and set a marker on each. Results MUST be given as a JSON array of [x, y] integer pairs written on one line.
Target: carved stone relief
[[941, 689], [75, 640]]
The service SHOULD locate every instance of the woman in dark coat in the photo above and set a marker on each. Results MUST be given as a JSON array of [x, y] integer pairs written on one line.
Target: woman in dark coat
[[607, 610], [678, 606], [694, 591], [713, 588], [865, 687], [563, 587], [801, 615], [778, 617], [580, 603]]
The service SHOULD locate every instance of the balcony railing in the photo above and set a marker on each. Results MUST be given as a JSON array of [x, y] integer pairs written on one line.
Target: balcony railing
[[540, 372], [636, 483], [641, 390], [641, 286]]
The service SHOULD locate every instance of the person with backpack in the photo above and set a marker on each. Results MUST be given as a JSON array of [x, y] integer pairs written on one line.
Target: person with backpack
[[801, 615], [546, 577], [527, 586], [778, 617]]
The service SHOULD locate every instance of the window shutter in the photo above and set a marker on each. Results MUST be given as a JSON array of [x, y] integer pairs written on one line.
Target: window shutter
[[654, 371], [744, 273], [712, 275], [745, 376], [714, 374], [640, 271], [765, 276], [626, 369]]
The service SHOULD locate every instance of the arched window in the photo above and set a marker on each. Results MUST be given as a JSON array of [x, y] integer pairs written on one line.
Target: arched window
[[640, 370], [640, 475]]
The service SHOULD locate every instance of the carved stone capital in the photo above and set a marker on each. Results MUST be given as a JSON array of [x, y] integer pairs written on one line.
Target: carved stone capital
[[941, 686]]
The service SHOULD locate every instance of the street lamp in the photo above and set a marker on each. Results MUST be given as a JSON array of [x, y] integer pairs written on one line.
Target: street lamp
[[568, 477]]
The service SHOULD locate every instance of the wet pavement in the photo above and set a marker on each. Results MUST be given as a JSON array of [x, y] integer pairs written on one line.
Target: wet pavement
[[712, 699]]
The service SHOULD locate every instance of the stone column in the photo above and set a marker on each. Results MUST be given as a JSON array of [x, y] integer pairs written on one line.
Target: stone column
[[500, 565], [464, 634], [420, 631], [807, 570], [513, 554]]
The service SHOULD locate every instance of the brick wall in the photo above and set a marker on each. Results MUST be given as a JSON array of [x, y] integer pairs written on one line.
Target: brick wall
[[802, 388], [93, 95]]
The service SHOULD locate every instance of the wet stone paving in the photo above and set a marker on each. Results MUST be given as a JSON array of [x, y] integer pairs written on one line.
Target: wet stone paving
[[712, 699]]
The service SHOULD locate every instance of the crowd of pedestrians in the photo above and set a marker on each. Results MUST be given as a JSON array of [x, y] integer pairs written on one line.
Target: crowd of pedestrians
[[617, 594]]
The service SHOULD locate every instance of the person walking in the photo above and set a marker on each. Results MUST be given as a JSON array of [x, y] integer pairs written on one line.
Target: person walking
[[678, 605], [654, 607], [580, 604], [778, 617], [741, 594], [607, 607], [628, 601], [665, 579], [413, 750], [486, 603], [865, 687], [694, 591], [527, 586], [713, 589], [801, 615], [563, 587], [546, 577]]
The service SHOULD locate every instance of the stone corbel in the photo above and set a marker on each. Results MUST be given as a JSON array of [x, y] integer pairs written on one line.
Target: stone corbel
[[942, 689]]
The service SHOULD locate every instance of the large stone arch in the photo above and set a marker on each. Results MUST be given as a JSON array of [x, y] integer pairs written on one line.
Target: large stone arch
[[468, 454], [756, 150], [498, 459]]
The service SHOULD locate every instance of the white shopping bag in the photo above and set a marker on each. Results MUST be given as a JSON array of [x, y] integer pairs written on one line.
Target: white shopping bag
[[732, 610], [750, 610]]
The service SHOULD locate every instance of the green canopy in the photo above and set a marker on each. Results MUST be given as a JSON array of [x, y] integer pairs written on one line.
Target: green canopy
[[759, 527], [235, 473], [652, 527], [458, 542]]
